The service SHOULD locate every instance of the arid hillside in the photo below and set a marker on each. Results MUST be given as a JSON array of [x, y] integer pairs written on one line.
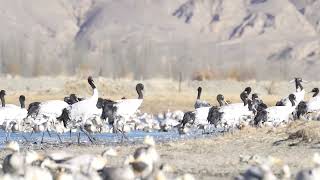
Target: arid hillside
[[210, 39]]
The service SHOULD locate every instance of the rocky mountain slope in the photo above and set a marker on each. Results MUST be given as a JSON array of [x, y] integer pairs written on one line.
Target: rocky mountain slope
[[152, 38]]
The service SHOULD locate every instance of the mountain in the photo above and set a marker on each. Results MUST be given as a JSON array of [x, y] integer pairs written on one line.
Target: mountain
[[260, 39]]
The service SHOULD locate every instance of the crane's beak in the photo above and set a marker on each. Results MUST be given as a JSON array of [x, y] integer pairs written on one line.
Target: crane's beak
[[292, 81]]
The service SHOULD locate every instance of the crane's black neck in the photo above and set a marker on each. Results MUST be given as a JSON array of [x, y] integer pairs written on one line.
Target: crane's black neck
[[220, 100], [92, 84], [292, 102], [247, 90], [140, 94], [244, 98], [316, 92], [22, 103], [298, 84], [3, 102], [199, 93]]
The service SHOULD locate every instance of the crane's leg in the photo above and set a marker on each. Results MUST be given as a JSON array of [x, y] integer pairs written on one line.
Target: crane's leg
[[78, 138], [9, 135], [24, 137], [59, 137], [42, 137], [31, 133], [48, 132], [7, 131], [123, 134], [6, 136], [88, 135], [117, 129]]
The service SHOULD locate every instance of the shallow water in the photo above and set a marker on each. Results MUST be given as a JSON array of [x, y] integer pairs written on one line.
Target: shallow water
[[133, 137]]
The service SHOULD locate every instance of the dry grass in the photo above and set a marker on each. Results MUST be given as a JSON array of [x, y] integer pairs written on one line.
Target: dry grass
[[203, 75], [271, 88], [307, 131], [303, 131], [241, 73]]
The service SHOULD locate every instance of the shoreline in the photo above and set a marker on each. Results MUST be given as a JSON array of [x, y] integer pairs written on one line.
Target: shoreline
[[219, 157]]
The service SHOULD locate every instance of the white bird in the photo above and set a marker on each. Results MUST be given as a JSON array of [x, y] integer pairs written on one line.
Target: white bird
[[200, 103], [119, 112], [127, 107], [11, 117], [86, 108], [243, 96], [263, 170], [201, 115], [309, 108], [43, 116], [314, 103], [14, 112], [87, 162], [232, 115], [299, 94], [3, 102], [16, 162], [145, 159], [276, 114], [80, 112], [214, 116], [45, 112], [12, 162], [83, 163]]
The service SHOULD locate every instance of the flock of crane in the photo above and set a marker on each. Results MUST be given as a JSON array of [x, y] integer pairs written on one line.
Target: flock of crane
[[71, 114], [143, 164], [253, 111], [95, 114]]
